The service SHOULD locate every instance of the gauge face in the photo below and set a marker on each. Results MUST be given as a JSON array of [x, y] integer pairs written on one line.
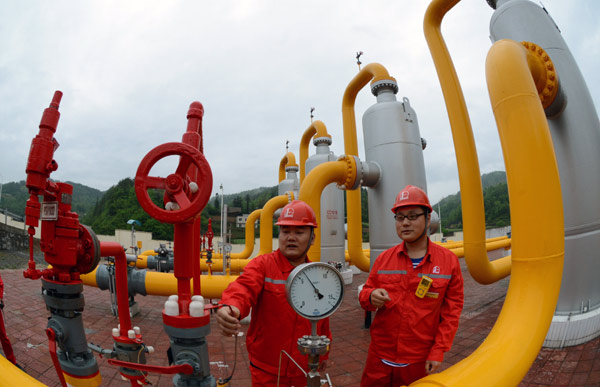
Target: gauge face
[[315, 290]]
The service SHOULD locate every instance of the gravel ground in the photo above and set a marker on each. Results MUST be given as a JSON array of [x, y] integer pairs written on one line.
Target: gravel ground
[[17, 259]]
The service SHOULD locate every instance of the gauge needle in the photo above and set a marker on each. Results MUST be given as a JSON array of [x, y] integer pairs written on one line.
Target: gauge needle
[[316, 290]]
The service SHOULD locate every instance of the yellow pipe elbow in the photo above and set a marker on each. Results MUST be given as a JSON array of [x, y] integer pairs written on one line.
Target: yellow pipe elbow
[[310, 192], [289, 160], [374, 72], [249, 243], [13, 376], [537, 244], [481, 269], [316, 129], [266, 221]]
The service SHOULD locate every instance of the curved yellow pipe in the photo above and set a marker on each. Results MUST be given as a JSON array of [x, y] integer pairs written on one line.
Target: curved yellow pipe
[[289, 160], [505, 356], [473, 214], [266, 221], [316, 129], [374, 72], [312, 188], [249, 243]]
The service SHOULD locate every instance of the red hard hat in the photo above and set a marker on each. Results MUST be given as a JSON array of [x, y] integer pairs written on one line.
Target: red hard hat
[[411, 196], [297, 213]]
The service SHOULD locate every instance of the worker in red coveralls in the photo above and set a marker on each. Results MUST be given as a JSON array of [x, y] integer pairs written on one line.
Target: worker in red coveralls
[[416, 288], [6, 346], [274, 325]]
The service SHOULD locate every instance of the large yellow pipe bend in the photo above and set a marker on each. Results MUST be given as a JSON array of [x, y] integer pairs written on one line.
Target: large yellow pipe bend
[[316, 129], [312, 188], [249, 244], [288, 160], [505, 356], [374, 72], [13, 376], [473, 214], [266, 221]]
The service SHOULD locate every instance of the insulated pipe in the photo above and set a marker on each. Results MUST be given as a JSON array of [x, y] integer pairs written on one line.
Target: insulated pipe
[[289, 160], [266, 221], [473, 214], [316, 129], [249, 243], [372, 72], [310, 192], [505, 356]]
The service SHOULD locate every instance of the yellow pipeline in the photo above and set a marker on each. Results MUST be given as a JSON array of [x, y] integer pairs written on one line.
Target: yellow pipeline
[[374, 72], [505, 356], [289, 160], [249, 244], [165, 284], [266, 221], [13, 376], [316, 129], [473, 214], [489, 246], [310, 192], [235, 265]]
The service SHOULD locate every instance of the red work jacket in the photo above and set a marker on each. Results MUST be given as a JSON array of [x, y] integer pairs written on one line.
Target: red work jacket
[[410, 329], [274, 325]]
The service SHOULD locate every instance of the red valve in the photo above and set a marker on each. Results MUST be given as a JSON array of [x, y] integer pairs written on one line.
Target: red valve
[[176, 369], [176, 186]]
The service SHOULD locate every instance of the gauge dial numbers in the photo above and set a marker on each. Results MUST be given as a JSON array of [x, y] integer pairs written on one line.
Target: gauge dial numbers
[[315, 290]]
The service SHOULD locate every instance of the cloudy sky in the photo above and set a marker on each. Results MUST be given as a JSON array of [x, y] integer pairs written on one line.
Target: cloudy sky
[[129, 71]]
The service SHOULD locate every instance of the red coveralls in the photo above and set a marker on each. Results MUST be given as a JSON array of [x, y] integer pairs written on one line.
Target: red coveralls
[[6, 346], [274, 325], [409, 329]]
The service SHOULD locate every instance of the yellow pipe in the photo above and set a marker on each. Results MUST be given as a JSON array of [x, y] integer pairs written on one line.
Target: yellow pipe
[[289, 160], [249, 243], [316, 129], [266, 221], [13, 376], [374, 72], [310, 192], [481, 269], [235, 265], [453, 245], [165, 284], [505, 356], [489, 246]]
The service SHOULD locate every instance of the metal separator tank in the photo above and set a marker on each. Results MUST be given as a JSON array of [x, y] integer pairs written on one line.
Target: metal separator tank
[[290, 183], [576, 136], [332, 207], [392, 140]]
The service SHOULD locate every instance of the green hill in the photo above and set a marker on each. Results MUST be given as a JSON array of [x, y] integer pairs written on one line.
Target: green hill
[[495, 200], [15, 195]]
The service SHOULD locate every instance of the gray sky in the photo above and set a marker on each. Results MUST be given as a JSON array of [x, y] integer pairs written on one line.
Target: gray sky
[[129, 71]]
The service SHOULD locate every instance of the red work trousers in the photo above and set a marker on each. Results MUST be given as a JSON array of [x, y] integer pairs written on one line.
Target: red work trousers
[[378, 374], [261, 378], [6, 346]]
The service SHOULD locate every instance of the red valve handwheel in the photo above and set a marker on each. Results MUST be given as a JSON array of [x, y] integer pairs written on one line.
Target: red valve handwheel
[[176, 185]]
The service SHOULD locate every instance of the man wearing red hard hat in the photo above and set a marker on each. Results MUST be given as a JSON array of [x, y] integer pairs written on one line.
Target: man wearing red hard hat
[[274, 325], [416, 288]]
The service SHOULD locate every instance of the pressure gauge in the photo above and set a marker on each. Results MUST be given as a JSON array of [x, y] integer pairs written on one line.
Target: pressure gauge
[[315, 290], [227, 248]]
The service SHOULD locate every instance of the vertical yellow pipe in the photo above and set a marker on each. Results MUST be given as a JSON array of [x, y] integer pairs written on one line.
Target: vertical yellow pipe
[[505, 356], [374, 72], [310, 192], [266, 221], [288, 160], [249, 244], [481, 269], [317, 128]]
